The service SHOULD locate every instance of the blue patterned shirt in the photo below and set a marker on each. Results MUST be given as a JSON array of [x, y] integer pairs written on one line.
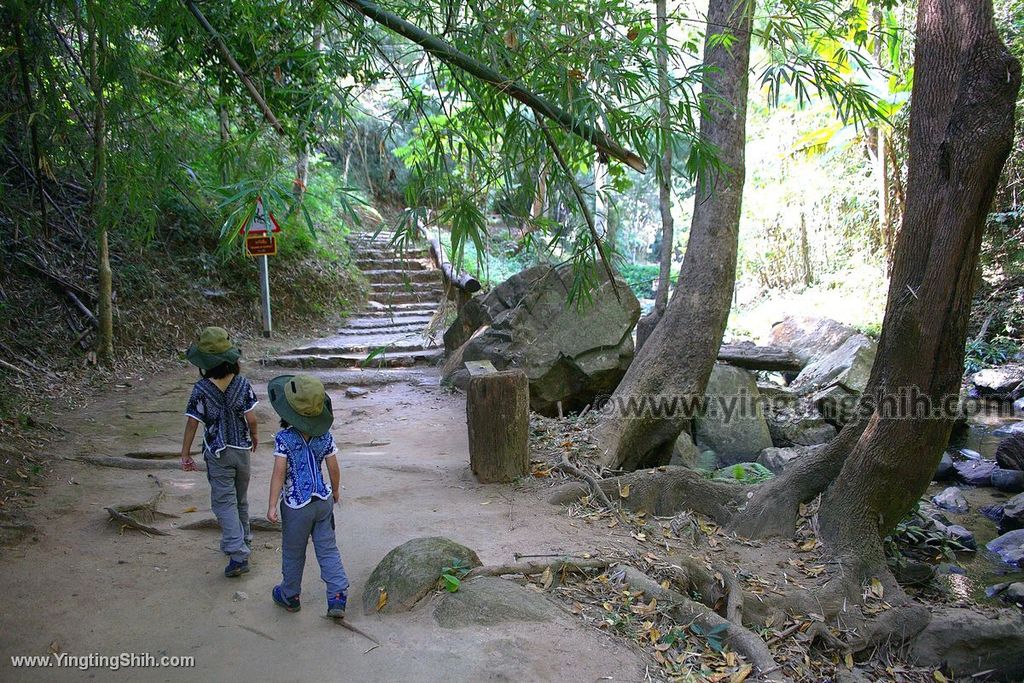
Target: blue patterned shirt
[[304, 478], [222, 413]]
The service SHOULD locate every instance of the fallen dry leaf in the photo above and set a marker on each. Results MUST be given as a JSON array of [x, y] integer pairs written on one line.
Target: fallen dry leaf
[[382, 600]]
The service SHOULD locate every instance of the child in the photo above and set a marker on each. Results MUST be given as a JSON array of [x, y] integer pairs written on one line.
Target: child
[[223, 401], [307, 500]]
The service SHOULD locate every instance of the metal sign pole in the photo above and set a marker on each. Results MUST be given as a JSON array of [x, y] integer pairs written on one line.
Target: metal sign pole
[[268, 327]]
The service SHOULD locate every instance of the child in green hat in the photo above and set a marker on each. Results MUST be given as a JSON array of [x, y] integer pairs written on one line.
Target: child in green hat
[[306, 498], [223, 402]]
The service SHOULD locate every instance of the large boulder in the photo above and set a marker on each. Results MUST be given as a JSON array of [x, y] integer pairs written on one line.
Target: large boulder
[[795, 428], [951, 499], [1010, 481], [975, 472], [810, 338], [1009, 547], [1010, 452], [411, 570], [571, 352], [778, 459], [1012, 514], [998, 382], [487, 601], [733, 426], [849, 366]]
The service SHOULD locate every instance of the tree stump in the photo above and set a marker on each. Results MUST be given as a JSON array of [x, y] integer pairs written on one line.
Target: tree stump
[[498, 417]]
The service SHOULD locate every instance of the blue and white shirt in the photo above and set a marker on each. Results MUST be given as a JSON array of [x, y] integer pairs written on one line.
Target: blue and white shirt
[[304, 478], [222, 413]]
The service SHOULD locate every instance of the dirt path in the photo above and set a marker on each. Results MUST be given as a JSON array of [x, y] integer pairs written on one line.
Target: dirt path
[[84, 588]]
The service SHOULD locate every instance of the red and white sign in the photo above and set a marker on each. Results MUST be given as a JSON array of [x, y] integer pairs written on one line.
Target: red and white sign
[[262, 221]]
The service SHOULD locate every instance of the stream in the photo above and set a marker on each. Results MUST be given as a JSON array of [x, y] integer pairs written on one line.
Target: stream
[[983, 567]]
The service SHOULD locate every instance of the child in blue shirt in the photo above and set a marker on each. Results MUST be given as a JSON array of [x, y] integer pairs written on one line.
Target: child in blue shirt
[[306, 498], [223, 402]]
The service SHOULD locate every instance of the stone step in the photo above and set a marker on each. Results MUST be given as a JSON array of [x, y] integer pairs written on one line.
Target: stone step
[[365, 342], [399, 330], [341, 378], [385, 322], [366, 264], [376, 309], [396, 298], [433, 287], [382, 253], [399, 276], [388, 359]]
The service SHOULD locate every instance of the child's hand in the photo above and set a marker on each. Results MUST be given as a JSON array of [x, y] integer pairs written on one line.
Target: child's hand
[[255, 442], [188, 464], [337, 496], [272, 514]]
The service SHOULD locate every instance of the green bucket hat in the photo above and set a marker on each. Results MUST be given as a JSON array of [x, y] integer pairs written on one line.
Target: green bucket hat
[[213, 348], [302, 401]]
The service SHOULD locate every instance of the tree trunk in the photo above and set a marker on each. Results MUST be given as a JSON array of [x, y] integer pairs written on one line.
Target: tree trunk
[[105, 336], [650, 321], [677, 358], [37, 160], [961, 130]]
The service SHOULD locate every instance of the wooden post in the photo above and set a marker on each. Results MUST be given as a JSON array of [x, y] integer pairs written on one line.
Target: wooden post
[[498, 417]]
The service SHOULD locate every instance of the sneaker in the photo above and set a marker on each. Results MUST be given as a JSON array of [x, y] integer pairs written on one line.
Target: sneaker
[[336, 606], [290, 604], [236, 568]]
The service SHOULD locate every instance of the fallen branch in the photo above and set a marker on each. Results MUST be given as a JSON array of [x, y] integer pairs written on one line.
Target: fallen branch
[[685, 610], [595, 487], [136, 515], [533, 568]]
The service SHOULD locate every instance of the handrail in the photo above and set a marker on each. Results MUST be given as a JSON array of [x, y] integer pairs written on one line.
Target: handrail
[[460, 280]]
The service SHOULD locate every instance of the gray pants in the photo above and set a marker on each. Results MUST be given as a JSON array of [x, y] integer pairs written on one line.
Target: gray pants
[[316, 520], [229, 483]]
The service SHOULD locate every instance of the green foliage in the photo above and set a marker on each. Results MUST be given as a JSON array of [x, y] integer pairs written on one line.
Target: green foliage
[[713, 637], [982, 354], [642, 277], [452, 575]]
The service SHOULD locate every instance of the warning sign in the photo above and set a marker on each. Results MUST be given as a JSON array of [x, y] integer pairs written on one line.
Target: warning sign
[[260, 244], [262, 221]]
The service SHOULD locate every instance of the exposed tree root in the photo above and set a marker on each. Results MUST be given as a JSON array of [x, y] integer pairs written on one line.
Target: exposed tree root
[[664, 491], [684, 610], [255, 523], [135, 463], [595, 487]]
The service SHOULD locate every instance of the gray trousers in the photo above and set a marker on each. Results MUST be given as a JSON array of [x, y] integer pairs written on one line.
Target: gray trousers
[[315, 519], [229, 484]]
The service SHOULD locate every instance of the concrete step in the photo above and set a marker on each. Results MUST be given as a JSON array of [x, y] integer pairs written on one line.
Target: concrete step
[[366, 264], [433, 288], [387, 359], [365, 343], [364, 253], [387, 328], [398, 276], [341, 378], [398, 298], [386, 322]]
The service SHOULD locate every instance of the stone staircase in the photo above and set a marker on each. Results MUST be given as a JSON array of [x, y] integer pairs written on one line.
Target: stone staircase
[[387, 333]]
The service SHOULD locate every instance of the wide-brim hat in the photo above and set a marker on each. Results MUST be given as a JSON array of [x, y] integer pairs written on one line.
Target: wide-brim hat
[[302, 402], [213, 348]]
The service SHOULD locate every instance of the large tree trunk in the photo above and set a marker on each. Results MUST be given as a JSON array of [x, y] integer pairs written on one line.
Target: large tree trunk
[[677, 358], [650, 321], [105, 339], [961, 130]]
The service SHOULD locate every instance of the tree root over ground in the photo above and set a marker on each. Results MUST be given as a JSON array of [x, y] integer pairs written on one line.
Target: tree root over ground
[[211, 523], [139, 515]]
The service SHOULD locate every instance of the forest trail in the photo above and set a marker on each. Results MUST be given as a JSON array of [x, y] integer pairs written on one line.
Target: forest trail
[[388, 332], [84, 586]]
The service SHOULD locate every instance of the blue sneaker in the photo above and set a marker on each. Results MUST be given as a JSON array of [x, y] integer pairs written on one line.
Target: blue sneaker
[[236, 568], [336, 606], [290, 604]]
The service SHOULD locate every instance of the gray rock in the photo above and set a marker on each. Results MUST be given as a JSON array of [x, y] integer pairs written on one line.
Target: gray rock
[[969, 641], [975, 472], [1010, 452], [731, 427], [849, 366], [1011, 481], [962, 535], [685, 453], [777, 459], [487, 601], [951, 499], [356, 392], [793, 428], [1012, 593], [239, 596], [571, 354], [998, 382], [969, 454], [1009, 429], [1009, 547], [810, 338], [743, 472], [412, 570], [1013, 514], [945, 470]]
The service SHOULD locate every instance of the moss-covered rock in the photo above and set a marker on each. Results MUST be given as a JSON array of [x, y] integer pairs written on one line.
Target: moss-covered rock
[[487, 600], [412, 570]]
